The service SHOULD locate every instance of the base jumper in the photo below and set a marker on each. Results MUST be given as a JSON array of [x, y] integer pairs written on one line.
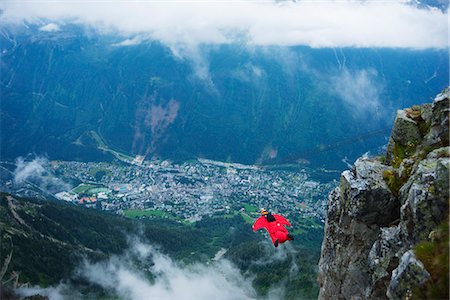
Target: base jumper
[[274, 224]]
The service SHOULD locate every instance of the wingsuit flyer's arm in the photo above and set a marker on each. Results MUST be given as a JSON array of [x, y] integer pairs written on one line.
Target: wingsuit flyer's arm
[[261, 222]]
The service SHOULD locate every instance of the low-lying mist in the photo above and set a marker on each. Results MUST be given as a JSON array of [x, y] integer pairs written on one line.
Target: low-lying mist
[[144, 272]]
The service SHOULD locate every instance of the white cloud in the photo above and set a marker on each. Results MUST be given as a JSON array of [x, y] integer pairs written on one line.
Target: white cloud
[[249, 72], [51, 27], [219, 280], [54, 293], [360, 90], [333, 23], [25, 170], [37, 171], [121, 276], [129, 42]]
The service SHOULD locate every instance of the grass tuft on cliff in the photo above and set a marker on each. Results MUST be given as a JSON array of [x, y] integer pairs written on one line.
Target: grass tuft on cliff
[[434, 254]]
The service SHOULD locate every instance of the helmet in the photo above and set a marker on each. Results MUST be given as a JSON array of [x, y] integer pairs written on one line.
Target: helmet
[[264, 212]]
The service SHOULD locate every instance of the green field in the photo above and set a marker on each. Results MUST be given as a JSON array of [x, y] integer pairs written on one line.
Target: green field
[[97, 190], [305, 224], [83, 188], [250, 208], [247, 219], [137, 213]]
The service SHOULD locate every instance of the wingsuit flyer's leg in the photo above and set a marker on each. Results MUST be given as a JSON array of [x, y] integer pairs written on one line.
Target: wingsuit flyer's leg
[[282, 236]]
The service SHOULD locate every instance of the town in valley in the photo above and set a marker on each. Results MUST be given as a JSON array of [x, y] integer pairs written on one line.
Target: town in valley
[[191, 190]]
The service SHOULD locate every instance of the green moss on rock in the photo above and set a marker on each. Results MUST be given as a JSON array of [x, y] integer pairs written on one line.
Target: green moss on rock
[[401, 152], [394, 181]]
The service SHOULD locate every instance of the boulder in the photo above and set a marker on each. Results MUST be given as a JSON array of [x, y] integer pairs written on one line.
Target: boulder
[[406, 132], [405, 129], [407, 276]]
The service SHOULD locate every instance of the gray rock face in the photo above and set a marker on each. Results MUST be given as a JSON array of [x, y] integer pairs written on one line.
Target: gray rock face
[[406, 165], [440, 152], [351, 229], [427, 111], [439, 133], [383, 259], [424, 199], [370, 231], [407, 276], [405, 132], [405, 129], [363, 190]]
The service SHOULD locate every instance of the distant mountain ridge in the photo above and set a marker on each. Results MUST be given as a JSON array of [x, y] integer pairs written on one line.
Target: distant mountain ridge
[[229, 103]]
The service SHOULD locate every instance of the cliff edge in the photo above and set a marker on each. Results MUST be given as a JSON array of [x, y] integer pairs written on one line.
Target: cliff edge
[[387, 210]]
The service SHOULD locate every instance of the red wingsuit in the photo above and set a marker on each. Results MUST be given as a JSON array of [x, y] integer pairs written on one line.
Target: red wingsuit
[[276, 228]]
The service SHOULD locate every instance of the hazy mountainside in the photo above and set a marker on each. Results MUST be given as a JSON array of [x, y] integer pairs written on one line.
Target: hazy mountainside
[[67, 93], [386, 234], [50, 242]]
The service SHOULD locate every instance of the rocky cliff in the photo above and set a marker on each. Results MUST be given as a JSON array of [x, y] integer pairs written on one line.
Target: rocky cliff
[[387, 210]]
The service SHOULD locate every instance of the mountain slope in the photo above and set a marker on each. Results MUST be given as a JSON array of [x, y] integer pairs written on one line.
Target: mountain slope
[[47, 241], [62, 90]]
